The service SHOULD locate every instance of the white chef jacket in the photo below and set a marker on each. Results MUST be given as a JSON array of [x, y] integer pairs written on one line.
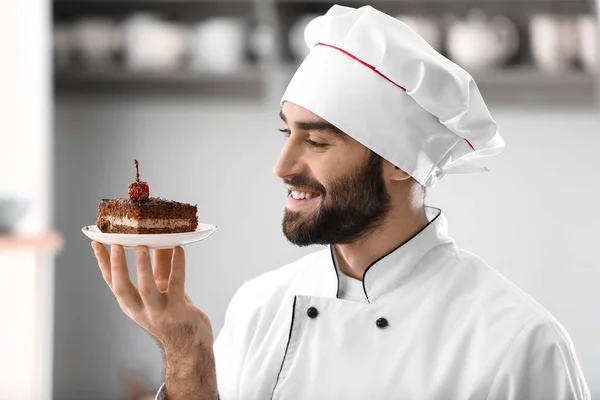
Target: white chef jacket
[[436, 323], [350, 288]]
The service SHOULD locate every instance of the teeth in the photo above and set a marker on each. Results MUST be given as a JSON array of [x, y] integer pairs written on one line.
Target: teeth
[[302, 195]]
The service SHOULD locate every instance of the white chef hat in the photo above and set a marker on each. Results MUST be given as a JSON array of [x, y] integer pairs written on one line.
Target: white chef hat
[[377, 80]]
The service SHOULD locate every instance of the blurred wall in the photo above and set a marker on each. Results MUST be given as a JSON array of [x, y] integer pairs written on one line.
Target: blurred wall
[[26, 282], [532, 218]]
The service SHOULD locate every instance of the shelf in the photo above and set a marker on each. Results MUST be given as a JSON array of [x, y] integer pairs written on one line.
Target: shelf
[[533, 77], [516, 85], [178, 10], [477, 2], [50, 242], [528, 86], [247, 82], [154, 1], [442, 7]]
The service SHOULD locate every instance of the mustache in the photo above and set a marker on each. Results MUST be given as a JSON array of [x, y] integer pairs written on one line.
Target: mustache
[[305, 182]]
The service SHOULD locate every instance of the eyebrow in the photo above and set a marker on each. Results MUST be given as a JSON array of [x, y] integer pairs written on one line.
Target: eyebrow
[[321, 126]]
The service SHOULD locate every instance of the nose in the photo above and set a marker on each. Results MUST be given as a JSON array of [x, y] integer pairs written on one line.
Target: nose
[[289, 162]]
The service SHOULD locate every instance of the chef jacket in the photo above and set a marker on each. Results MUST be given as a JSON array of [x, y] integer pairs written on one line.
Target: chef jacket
[[433, 322]]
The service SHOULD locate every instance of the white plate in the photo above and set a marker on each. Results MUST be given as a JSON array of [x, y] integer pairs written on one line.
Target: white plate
[[153, 241]]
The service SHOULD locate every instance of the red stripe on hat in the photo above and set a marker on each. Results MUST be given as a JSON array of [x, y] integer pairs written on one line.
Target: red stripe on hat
[[362, 62], [372, 68]]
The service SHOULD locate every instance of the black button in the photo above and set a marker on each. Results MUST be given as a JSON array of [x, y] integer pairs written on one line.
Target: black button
[[312, 312], [381, 323]]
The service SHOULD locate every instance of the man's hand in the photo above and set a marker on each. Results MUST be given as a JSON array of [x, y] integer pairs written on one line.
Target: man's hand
[[160, 306]]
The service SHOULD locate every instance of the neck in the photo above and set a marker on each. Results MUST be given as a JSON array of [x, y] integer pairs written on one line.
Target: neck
[[401, 225]]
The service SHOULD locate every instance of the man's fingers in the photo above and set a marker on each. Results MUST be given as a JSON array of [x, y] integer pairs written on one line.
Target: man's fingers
[[103, 258], [146, 285], [122, 287], [177, 278], [162, 268]]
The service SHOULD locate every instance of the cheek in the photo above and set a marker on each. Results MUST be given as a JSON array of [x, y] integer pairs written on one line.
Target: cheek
[[336, 163], [326, 173], [331, 165]]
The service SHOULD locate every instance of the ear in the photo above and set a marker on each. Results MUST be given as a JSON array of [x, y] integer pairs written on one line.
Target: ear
[[394, 173]]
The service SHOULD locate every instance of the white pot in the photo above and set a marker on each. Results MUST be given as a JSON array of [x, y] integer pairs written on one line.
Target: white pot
[[154, 44], [96, 40], [479, 42], [553, 41], [588, 41], [218, 45]]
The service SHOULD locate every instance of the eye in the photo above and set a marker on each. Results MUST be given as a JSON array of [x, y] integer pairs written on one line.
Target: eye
[[315, 144], [287, 133]]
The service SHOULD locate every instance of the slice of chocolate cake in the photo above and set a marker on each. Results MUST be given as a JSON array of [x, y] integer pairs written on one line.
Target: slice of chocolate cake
[[143, 214], [152, 215]]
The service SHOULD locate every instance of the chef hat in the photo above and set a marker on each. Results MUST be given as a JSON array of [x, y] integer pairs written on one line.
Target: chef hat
[[375, 79]]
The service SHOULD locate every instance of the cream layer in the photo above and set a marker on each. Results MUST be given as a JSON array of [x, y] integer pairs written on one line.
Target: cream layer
[[148, 222]]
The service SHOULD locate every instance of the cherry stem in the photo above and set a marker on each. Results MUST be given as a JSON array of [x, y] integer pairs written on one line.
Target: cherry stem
[[137, 171]]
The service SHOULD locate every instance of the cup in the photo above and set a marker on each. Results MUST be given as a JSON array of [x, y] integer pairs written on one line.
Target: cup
[[151, 43], [588, 41], [218, 45], [95, 40], [12, 210], [553, 41], [482, 42], [261, 41]]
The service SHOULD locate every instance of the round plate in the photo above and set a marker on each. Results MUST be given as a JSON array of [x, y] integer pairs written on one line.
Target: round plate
[[153, 241]]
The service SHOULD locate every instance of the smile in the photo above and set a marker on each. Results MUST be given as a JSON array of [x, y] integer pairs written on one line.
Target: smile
[[303, 195], [297, 201]]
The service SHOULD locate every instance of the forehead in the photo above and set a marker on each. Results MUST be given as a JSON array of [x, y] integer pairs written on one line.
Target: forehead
[[293, 111], [295, 115]]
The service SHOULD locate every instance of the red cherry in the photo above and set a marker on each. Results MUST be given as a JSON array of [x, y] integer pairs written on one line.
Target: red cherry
[[138, 190]]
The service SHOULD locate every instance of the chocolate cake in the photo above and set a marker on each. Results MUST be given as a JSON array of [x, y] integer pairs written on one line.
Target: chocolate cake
[[145, 215], [152, 215]]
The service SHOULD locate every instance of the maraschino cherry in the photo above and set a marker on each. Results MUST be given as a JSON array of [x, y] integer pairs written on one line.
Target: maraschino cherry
[[138, 190]]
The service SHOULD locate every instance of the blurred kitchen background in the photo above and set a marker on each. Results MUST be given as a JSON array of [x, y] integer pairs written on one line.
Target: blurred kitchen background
[[191, 88]]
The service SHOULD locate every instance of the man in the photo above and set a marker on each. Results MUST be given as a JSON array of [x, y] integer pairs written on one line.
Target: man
[[391, 309]]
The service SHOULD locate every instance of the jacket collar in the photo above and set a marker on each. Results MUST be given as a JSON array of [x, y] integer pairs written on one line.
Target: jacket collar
[[393, 269]]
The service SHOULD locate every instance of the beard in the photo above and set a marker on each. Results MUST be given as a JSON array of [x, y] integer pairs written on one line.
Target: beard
[[351, 208]]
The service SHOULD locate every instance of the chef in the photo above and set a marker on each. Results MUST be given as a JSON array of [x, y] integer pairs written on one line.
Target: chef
[[391, 308]]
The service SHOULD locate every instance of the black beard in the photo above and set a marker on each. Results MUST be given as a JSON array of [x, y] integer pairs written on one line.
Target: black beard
[[351, 209]]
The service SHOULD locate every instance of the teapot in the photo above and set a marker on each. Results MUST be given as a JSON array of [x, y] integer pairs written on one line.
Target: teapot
[[479, 42], [151, 43], [96, 39], [218, 44]]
